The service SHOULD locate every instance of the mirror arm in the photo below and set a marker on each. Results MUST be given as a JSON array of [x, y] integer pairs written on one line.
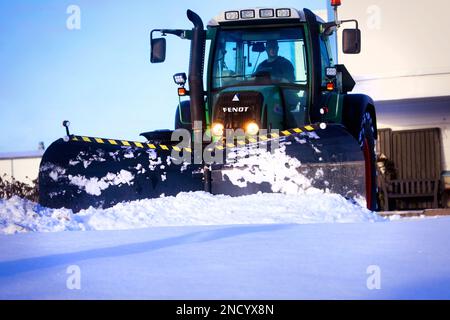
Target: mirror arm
[[177, 32], [352, 20], [328, 26]]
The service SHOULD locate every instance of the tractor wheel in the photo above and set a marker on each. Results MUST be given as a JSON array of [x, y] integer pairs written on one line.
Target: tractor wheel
[[367, 141]]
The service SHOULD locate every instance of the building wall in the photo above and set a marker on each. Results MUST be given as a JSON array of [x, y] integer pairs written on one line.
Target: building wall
[[5, 168], [23, 169], [404, 50], [404, 55]]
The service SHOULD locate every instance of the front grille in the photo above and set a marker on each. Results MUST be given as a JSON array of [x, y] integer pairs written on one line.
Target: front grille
[[235, 109]]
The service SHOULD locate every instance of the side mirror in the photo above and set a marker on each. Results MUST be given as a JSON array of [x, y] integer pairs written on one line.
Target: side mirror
[[351, 41], [158, 50]]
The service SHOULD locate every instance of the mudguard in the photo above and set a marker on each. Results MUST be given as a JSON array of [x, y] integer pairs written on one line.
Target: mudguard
[[354, 107]]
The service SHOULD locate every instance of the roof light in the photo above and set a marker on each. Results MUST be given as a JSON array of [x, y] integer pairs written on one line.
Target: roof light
[[231, 15], [335, 3], [281, 13], [247, 14], [266, 13], [180, 78]]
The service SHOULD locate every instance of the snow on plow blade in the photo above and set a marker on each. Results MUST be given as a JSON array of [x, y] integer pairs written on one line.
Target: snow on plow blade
[[84, 172], [80, 174], [328, 159]]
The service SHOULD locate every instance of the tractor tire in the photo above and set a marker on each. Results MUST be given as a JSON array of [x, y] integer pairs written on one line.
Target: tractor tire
[[367, 141]]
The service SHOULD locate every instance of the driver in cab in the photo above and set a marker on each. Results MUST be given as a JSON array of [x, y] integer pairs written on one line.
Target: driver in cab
[[277, 66]]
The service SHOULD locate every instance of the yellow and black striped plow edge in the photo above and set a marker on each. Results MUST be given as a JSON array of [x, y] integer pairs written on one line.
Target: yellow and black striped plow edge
[[219, 146]]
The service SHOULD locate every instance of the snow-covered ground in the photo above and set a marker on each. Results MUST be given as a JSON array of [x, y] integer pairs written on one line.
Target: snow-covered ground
[[199, 246], [186, 209]]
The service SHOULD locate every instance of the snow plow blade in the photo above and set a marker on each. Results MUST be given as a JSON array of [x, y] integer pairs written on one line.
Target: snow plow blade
[[84, 172]]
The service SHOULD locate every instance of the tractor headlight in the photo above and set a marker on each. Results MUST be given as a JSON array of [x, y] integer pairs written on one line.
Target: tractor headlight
[[251, 128], [217, 129]]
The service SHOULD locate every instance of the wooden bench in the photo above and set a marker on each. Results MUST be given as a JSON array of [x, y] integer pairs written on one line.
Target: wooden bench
[[416, 157], [446, 189]]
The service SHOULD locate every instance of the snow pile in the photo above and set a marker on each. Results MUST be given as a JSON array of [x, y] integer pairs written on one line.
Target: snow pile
[[20, 215], [186, 209]]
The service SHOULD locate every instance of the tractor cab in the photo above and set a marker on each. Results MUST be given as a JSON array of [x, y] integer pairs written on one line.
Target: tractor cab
[[267, 69], [258, 75]]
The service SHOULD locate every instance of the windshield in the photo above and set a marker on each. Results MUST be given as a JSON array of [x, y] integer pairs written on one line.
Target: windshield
[[244, 56]]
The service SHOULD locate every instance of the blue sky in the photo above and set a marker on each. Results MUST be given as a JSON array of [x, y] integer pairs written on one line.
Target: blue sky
[[98, 77]]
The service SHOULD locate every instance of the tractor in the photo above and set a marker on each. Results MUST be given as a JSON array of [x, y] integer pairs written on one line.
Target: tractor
[[271, 109]]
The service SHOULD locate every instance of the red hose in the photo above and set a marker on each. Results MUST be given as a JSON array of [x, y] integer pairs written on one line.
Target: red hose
[[368, 167]]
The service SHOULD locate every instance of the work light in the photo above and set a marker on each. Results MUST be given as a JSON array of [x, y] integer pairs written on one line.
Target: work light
[[331, 72], [180, 78], [266, 13], [247, 14], [281, 13], [231, 15]]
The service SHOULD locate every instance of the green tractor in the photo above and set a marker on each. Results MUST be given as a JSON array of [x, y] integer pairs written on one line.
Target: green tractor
[[275, 116]]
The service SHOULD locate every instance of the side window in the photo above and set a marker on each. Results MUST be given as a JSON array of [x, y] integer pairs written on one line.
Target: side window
[[230, 56], [294, 51], [325, 57], [296, 102], [225, 64]]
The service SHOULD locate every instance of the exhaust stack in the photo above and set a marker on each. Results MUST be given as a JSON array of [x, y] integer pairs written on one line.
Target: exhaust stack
[[195, 76]]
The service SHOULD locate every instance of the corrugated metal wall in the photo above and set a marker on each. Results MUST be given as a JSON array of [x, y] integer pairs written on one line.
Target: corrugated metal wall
[[22, 169]]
